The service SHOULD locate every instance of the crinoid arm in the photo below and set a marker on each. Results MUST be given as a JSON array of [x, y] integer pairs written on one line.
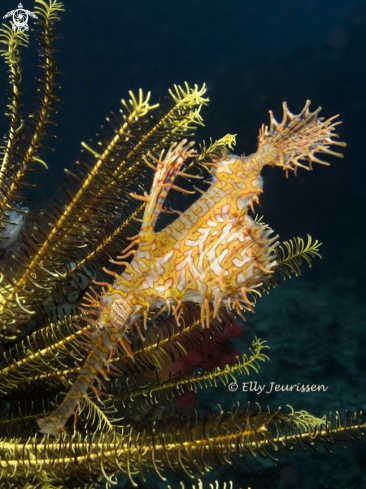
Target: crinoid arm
[[104, 178], [177, 445], [296, 139], [182, 284]]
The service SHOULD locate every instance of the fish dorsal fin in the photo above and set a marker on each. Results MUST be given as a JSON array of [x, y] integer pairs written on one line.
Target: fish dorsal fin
[[166, 169]]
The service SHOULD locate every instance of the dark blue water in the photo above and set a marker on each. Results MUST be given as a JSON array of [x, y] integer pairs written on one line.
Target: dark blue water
[[253, 55]]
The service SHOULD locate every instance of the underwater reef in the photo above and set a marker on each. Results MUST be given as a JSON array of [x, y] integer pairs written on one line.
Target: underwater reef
[[110, 327]]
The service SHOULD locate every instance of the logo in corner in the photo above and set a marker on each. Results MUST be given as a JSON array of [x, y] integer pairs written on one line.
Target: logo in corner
[[20, 17]]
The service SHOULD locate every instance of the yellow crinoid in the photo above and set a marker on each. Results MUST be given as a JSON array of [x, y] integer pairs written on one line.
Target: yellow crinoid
[[173, 289]]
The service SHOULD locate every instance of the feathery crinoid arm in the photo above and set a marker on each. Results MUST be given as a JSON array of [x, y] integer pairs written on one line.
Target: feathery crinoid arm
[[89, 222], [98, 189], [175, 445], [12, 40], [297, 138], [45, 97], [25, 139], [21, 147], [11, 215]]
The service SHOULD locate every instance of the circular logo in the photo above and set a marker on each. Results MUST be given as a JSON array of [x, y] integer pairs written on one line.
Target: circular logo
[[20, 19]]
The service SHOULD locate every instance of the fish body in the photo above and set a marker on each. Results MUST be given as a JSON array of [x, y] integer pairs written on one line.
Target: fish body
[[213, 253]]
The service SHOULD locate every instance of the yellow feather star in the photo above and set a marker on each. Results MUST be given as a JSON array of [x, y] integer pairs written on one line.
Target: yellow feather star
[[214, 253]]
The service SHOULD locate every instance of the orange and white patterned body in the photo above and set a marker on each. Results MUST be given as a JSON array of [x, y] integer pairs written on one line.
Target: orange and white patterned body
[[213, 252], [103, 342]]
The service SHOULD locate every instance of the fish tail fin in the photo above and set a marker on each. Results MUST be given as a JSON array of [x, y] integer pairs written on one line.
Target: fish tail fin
[[294, 141]]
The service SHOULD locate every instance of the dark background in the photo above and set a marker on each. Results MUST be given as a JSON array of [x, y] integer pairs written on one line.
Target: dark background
[[252, 55]]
